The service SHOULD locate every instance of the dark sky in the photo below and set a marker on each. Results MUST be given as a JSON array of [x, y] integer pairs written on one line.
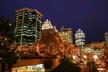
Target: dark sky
[[90, 15]]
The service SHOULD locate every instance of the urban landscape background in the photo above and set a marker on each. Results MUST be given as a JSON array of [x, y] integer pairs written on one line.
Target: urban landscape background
[[52, 34]]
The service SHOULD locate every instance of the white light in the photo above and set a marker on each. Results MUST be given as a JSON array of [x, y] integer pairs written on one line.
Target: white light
[[6, 39], [95, 56], [39, 66], [0, 58], [10, 24], [74, 57], [2, 44], [85, 56]]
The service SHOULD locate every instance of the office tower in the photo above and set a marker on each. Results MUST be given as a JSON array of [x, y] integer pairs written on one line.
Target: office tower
[[106, 39], [48, 25], [79, 37], [28, 26], [66, 34]]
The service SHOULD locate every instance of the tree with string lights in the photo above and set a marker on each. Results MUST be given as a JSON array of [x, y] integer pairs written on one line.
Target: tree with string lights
[[7, 56]]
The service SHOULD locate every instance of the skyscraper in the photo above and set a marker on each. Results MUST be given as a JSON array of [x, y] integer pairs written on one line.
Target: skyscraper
[[106, 39], [79, 37], [48, 25], [66, 34], [28, 26]]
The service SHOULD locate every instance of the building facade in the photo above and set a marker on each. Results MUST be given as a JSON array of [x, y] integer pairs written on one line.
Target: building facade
[[66, 34], [48, 25], [106, 39], [28, 26], [79, 37]]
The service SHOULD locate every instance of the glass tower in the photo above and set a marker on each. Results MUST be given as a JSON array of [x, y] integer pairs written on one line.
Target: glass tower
[[28, 26]]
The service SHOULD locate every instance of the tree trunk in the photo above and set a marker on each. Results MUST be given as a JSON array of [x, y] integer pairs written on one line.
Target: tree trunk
[[9, 67], [3, 67]]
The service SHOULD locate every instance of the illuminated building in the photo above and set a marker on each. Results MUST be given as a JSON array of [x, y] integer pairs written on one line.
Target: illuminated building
[[95, 48], [106, 39], [48, 25], [79, 37], [28, 26], [66, 34], [29, 68]]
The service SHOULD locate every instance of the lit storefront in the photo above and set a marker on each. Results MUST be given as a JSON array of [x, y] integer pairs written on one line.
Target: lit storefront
[[32, 68]]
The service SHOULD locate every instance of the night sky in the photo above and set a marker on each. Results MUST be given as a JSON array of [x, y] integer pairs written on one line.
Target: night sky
[[89, 15]]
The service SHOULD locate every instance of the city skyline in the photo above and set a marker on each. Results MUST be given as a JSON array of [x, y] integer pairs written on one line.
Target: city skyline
[[91, 16]]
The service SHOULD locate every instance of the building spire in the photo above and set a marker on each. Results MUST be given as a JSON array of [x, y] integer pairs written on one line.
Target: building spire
[[47, 25]]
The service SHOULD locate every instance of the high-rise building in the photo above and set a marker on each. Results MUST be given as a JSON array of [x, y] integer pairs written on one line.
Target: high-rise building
[[79, 37], [106, 39], [28, 26], [66, 34], [48, 25]]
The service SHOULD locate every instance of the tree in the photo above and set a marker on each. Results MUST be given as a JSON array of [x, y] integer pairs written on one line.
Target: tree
[[6, 39], [53, 44], [48, 63], [106, 57]]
